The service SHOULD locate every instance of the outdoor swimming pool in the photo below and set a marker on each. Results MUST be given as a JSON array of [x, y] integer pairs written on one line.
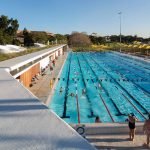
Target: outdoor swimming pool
[[115, 86]]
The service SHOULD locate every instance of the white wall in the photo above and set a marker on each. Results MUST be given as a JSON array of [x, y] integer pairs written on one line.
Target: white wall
[[56, 53], [44, 62], [61, 51]]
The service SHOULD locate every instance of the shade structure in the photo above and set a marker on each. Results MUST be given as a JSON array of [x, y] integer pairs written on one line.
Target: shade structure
[[135, 46], [141, 46], [129, 46], [144, 45], [148, 47]]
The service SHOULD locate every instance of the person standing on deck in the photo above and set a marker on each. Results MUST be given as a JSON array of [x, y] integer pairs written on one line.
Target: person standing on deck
[[131, 123], [146, 129]]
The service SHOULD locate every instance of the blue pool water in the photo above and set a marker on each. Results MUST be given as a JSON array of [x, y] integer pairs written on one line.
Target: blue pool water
[[115, 86]]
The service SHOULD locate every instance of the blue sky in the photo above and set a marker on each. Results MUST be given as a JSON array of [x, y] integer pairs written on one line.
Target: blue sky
[[65, 16]]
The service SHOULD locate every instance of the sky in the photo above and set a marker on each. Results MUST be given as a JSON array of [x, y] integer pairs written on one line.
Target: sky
[[65, 16]]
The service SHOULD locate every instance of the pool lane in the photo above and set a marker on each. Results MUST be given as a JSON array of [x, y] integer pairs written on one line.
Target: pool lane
[[131, 89], [109, 93]]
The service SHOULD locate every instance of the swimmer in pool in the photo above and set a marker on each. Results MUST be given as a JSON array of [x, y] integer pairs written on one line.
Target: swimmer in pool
[[100, 86], [61, 89], [71, 94], [83, 91]]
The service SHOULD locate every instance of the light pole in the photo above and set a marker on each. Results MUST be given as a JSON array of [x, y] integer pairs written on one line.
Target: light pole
[[120, 13]]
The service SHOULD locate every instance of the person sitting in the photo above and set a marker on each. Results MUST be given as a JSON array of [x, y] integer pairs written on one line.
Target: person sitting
[[53, 63], [97, 119], [131, 123], [146, 129], [51, 68]]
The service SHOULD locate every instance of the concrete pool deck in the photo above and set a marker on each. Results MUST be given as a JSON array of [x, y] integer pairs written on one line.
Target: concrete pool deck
[[42, 88], [27, 124], [114, 136], [104, 135]]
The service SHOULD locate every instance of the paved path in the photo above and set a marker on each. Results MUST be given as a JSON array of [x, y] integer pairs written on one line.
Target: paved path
[[117, 142], [42, 87]]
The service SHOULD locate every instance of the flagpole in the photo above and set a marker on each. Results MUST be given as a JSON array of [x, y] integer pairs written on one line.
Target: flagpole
[[120, 13]]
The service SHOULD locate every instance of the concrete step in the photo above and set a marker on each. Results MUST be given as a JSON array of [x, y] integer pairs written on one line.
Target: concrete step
[[109, 128], [112, 135]]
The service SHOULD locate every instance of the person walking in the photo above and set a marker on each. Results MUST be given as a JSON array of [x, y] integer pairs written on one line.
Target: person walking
[[146, 129], [131, 123]]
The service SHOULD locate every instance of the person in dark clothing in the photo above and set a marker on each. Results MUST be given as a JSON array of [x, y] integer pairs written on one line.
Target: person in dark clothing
[[71, 94], [61, 89], [53, 63], [97, 119], [83, 91], [131, 123]]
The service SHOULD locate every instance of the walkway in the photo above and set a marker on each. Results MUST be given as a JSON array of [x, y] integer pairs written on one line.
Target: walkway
[[27, 124], [41, 88], [119, 141], [114, 136]]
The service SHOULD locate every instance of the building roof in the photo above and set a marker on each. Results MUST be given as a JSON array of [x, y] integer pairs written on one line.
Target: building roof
[[27, 124], [21, 60]]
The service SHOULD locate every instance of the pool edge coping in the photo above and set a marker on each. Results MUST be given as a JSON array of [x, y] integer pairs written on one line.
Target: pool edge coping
[[55, 83]]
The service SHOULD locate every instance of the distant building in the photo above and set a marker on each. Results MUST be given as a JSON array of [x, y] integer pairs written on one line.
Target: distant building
[[47, 33], [20, 35]]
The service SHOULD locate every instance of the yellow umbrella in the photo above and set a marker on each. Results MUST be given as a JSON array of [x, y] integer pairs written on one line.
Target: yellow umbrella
[[125, 45], [144, 46], [140, 46], [136, 42], [135, 46], [148, 47], [129, 46]]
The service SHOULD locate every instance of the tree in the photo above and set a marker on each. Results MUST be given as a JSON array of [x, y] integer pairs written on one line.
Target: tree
[[77, 39], [13, 27], [28, 39], [8, 29], [52, 38], [61, 38], [40, 37]]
